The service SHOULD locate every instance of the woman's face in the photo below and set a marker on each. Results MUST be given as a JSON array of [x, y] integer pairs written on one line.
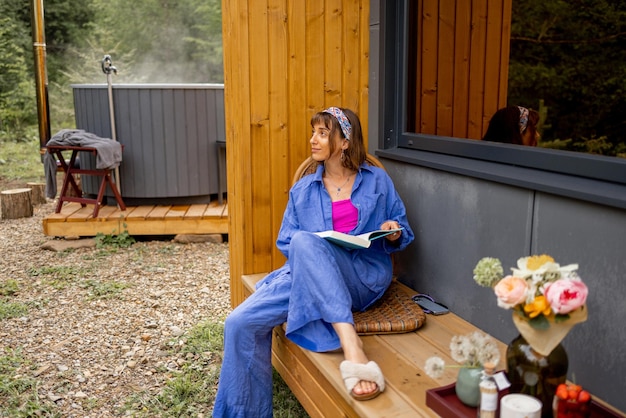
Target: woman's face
[[320, 143]]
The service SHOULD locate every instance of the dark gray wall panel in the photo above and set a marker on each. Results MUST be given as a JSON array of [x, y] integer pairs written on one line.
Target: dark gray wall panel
[[594, 237], [459, 219]]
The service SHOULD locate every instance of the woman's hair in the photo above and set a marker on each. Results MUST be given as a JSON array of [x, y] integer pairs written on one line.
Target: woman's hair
[[355, 154], [505, 125]]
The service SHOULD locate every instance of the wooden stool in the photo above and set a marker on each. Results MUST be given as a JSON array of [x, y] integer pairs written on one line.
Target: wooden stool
[[69, 169]]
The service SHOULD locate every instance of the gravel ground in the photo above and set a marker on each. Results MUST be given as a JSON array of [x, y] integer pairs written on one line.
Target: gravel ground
[[90, 353]]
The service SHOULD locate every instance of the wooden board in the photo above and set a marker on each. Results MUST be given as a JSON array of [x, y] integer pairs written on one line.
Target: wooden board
[[74, 220]]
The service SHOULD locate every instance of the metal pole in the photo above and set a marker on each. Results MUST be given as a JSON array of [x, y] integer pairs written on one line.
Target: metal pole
[[41, 76], [108, 68]]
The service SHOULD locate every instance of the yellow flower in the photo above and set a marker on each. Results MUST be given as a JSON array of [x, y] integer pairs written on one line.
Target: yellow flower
[[536, 261], [538, 306]]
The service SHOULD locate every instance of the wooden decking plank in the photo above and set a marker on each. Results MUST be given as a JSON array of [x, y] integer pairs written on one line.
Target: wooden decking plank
[[105, 212], [213, 210], [117, 213], [177, 212], [66, 210], [158, 212], [153, 226], [137, 220], [82, 214], [140, 212], [196, 211]]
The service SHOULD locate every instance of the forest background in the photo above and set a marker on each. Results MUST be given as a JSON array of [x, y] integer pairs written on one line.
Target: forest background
[[568, 60]]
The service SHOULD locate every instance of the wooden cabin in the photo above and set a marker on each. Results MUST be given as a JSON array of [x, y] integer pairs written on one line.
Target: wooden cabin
[[425, 77]]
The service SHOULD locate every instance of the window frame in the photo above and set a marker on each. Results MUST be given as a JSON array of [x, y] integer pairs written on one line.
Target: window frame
[[579, 169]]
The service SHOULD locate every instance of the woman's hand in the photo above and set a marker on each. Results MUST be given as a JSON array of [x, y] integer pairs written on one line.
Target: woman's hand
[[387, 225]]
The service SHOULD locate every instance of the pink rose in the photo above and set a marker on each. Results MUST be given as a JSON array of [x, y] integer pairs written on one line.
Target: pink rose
[[511, 291], [566, 296]]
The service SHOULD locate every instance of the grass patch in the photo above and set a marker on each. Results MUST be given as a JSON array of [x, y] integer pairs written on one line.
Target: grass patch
[[103, 290], [9, 287], [18, 393], [191, 392], [59, 277], [10, 309], [123, 240], [20, 161], [286, 405]]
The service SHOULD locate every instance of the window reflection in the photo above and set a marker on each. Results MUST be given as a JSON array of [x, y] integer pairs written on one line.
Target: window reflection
[[570, 62], [514, 125], [567, 63]]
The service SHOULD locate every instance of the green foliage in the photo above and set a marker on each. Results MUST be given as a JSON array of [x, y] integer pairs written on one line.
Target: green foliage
[[122, 240], [19, 396], [285, 404], [8, 287], [67, 273], [175, 43], [59, 277], [10, 309], [103, 290], [21, 160], [17, 88], [191, 391], [572, 56]]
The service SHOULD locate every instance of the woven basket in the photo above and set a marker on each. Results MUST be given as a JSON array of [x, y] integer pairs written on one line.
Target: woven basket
[[394, 313]]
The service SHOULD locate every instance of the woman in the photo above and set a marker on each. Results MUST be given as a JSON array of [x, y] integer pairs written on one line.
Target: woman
[[321, 283], [514, 125]]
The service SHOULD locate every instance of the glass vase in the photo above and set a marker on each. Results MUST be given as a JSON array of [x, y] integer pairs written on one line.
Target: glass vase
[[466, 387], [534, 374]]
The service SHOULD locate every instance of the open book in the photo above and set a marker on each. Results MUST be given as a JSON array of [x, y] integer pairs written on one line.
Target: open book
[[355, 241]]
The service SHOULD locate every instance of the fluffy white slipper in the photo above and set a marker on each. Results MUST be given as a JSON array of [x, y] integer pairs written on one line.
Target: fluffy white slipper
[[353, 373]]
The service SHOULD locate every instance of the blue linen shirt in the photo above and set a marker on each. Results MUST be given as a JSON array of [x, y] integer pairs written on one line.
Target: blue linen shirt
[[373, 194]]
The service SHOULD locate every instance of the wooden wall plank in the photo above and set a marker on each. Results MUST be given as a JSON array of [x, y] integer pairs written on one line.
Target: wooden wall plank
[[237, 113], [419, 12], [477, 68], [428, 53], [299, 114], [278, 125], [315, 56], [461, 68], [505, 48], [445, 67], [492, 60], [333, 52], [350, 81], [260, 139]]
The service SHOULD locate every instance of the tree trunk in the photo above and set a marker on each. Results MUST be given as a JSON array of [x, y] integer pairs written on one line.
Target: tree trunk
[[38, 195], [16, 203]]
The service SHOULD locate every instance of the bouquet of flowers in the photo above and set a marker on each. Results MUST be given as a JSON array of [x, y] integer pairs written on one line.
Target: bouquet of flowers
[[472, 351], [547, 299]]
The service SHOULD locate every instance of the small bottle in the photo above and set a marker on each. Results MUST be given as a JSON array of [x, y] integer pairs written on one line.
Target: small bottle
[[488, 392]]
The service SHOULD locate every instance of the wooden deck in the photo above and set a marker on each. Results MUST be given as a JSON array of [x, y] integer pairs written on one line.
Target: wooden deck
[[76, 221]]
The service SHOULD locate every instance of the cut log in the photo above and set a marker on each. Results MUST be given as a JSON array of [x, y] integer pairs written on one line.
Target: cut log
[[16, 203], [38, 194]]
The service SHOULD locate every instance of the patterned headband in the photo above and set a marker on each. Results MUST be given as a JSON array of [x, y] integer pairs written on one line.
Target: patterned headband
[[523, 119], [346, 128]]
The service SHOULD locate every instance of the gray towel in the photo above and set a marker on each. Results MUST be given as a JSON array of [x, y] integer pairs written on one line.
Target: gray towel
[[109, 153]]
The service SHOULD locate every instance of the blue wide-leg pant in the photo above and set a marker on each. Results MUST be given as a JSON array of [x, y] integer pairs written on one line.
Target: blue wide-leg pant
[[318, 286]]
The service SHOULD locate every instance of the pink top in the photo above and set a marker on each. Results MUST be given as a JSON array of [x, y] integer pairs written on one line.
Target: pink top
[[345, 216]]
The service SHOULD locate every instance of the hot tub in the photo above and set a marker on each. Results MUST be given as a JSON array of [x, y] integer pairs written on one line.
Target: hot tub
[[170, 134]]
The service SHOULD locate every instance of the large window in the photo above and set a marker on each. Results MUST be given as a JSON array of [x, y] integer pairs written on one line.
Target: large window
[[402, 129]]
